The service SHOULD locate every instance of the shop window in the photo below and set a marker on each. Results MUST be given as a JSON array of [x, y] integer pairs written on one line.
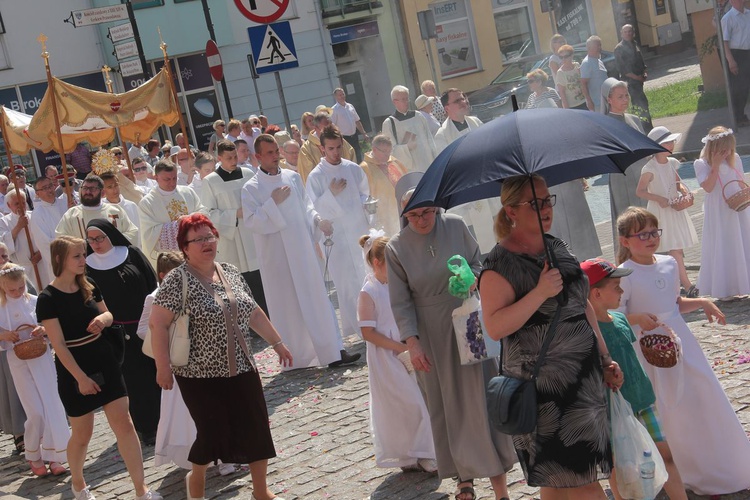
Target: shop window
[[514, 33], [456, 41]]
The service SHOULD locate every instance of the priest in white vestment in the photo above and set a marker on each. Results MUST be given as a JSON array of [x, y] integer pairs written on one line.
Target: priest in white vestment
[[478, 215], [277, 210], [221, 194], [413, 144], [338, 188], [73, 222], [161, 210], [47, 215], [14, 237], [310, 153]]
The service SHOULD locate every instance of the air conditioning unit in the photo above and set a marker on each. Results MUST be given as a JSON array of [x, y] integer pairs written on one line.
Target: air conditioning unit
[[345, 52]]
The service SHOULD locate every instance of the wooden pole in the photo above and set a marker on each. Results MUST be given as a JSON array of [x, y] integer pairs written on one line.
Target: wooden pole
[[22, 203], [51, 89], [108, 82], [163, 47]]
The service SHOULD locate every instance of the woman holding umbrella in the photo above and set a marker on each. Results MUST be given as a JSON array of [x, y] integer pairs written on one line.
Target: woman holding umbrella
[[622, 187], [466, 446], [570, 447]]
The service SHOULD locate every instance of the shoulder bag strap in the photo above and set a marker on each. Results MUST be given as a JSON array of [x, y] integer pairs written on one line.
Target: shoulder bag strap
[[393, 127], [184, 290]]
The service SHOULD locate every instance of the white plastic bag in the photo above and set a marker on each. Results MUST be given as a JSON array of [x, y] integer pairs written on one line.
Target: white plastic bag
[[629, 441], [474, 345]]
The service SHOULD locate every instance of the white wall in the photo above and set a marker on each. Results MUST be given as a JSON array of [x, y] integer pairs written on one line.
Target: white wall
[[72, 50]]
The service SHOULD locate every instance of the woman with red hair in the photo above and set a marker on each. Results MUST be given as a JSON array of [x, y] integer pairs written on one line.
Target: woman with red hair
[[220, 384]]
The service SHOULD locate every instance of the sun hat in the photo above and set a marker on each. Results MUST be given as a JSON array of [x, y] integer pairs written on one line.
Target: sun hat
[[422, 100], [661, 134], [598, 269]]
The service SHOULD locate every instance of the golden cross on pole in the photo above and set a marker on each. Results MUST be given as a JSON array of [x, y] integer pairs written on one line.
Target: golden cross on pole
[[107, 81], [162, 44], [42, 39]]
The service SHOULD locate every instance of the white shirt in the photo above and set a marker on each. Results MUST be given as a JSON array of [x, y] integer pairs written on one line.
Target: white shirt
[[345, 117], [735, 26]]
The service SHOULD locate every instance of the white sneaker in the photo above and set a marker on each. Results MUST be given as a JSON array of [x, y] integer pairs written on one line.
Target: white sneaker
[[150, 495], [84, 494], [428, 464]]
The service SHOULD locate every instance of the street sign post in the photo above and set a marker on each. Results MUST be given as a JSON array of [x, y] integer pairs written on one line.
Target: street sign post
[[130, 68], [262, 11], [99, 15], [126, 50], [121, 32], [213, 57], [273, 47]]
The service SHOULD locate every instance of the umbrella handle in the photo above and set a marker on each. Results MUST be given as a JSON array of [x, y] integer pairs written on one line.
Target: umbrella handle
[[562, 297]]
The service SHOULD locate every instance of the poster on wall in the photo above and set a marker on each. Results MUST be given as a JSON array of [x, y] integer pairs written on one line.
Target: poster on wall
[[573, 21], [455, 42], [624, 12], [204, 111], [660, 7]]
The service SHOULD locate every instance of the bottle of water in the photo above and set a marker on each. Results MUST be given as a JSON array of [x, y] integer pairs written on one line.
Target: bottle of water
[[648, 469]]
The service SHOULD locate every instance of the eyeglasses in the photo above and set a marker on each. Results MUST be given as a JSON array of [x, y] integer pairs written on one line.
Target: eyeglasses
[[255, 123], [48, 187], [424, 215], [118, 154], [203, 240], [97, 239], [647, 235], [549, 201], [91, 189], [139, 169], [460, 99]]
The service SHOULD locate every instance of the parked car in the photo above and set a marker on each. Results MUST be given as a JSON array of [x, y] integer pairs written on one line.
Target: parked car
[[494, 100]]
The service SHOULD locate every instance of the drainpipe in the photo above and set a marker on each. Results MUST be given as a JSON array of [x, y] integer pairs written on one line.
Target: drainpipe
[[333, 72]]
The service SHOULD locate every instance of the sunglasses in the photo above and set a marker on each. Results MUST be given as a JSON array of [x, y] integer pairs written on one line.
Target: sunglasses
[[565, 56], [118, 154], [549, 201], [139, 169], [647, 235]]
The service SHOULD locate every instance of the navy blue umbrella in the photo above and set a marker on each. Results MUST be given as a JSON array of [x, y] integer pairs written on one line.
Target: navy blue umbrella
[[558, 144]]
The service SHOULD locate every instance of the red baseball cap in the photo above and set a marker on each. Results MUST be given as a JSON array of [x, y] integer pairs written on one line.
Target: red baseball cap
[[598, 269]]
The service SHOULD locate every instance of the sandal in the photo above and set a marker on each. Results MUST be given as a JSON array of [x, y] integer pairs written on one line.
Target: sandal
[[38, 470], [19, 444], [466, 490], [57, 469]]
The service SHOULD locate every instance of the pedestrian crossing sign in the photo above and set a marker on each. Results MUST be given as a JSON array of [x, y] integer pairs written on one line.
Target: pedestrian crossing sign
[[273, 47]]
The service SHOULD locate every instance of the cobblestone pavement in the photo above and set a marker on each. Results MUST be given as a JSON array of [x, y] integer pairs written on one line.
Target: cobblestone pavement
[[320, 423]]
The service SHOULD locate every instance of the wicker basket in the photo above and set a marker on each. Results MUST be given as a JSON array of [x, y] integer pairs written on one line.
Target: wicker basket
[[661, 347], [740, 200], [31, 348], [684, 200]]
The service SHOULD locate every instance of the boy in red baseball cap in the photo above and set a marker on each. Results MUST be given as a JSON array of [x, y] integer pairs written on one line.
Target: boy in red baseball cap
[[604, 295]]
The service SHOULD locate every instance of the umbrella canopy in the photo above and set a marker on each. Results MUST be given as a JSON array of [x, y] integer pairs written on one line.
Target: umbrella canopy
[[558, 144], [15, 126], [91, 116]]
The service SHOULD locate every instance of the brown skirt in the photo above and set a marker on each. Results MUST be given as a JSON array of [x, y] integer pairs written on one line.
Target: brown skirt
[[231, 418]]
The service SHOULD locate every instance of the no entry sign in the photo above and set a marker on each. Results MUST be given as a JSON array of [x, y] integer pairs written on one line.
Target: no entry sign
[[262, 11], [214, 60]]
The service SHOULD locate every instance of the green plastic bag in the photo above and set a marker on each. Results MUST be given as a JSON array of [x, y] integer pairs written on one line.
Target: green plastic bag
[[463, 278]]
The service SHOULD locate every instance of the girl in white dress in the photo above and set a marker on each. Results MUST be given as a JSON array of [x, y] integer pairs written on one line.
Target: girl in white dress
[[400, 423], [46, 430], [725, 246], [658, 185], [708, 443]]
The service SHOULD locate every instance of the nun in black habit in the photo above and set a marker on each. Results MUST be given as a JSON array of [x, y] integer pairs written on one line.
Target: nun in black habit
[[125, 277]]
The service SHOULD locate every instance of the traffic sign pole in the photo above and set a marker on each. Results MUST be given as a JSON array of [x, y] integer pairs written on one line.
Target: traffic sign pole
[[212, 35], [280, 88]]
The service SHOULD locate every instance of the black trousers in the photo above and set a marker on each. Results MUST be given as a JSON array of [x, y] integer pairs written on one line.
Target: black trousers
[[256, 286], [739, 84], [353, 141]]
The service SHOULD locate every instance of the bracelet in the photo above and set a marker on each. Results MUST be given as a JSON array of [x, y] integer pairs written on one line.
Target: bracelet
[[274, 346]]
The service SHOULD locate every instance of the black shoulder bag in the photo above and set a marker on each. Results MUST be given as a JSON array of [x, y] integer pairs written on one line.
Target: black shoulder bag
[[511, 402]]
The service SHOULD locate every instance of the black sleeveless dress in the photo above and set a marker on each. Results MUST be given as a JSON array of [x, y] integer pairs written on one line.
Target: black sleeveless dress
[[571, 444]]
